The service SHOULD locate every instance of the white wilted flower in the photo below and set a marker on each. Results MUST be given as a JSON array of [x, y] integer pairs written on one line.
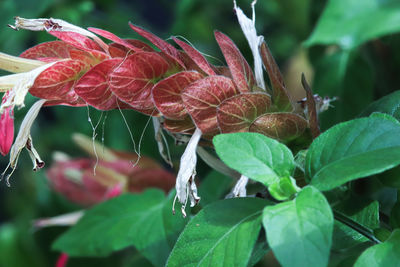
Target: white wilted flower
[[249, 29], [240, 188], [50, 24], [185, 185], [24, 140], [68, 219], [21, 83], [161, 141]]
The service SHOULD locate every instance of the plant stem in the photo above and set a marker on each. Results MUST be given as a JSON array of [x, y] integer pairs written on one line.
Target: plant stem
[[355, 226]]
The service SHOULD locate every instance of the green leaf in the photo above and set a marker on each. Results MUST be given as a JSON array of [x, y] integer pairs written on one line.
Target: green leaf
[[214, 187], [299, 232], [386, 254], [352, 150], [283, 189], [388, 104], [222, 234], [259, 250], [144, 220], [364, 212], [350, 23], [254, 155]]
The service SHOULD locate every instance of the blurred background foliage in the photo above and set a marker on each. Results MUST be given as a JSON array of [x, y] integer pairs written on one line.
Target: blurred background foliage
[[346, 48]]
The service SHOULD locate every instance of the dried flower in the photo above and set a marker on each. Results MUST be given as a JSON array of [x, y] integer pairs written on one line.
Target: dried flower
[[24, 140], [185, 185]]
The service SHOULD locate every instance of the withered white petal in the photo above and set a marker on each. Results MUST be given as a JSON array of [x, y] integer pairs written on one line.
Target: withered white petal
[[249, 29], [18, 64], [194, 198], [187, 169], [37, 162], [22, 83], [50, 24], [62, 220], [240, 188], [161, 141], [24, 140]]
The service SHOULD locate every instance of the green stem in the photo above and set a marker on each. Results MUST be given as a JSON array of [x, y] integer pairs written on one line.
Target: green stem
[[355, 226]]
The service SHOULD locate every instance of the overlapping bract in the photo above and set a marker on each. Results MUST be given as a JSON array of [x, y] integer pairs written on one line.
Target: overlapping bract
[[180, 85]]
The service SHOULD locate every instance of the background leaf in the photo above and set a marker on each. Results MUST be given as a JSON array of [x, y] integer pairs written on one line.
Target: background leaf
[[350, 23], [299, 232], [385, 254], [389, 104], [347, 76], [214, 187], [254, 155], [352, 150], [143, 220], [222, 234]]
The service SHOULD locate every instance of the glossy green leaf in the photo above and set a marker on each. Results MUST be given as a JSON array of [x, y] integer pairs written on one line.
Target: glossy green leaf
[[388, 104], [386, 254], [350, 23], [254, 155], [299, 232], [352, 150], [222, 234], [144, 221]]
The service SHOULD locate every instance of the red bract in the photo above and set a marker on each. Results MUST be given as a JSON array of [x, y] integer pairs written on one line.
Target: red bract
[[118, 50], [158, 42], [185, 126], [53, 49], [134, 78], [239, 68], [281, 96], [237, 113], [56, 82], [89, 58], [202, 97], [167, 94], [281, 126], [196, 56], [77, 40], [94, 88], [112, 37], [6, 128]]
